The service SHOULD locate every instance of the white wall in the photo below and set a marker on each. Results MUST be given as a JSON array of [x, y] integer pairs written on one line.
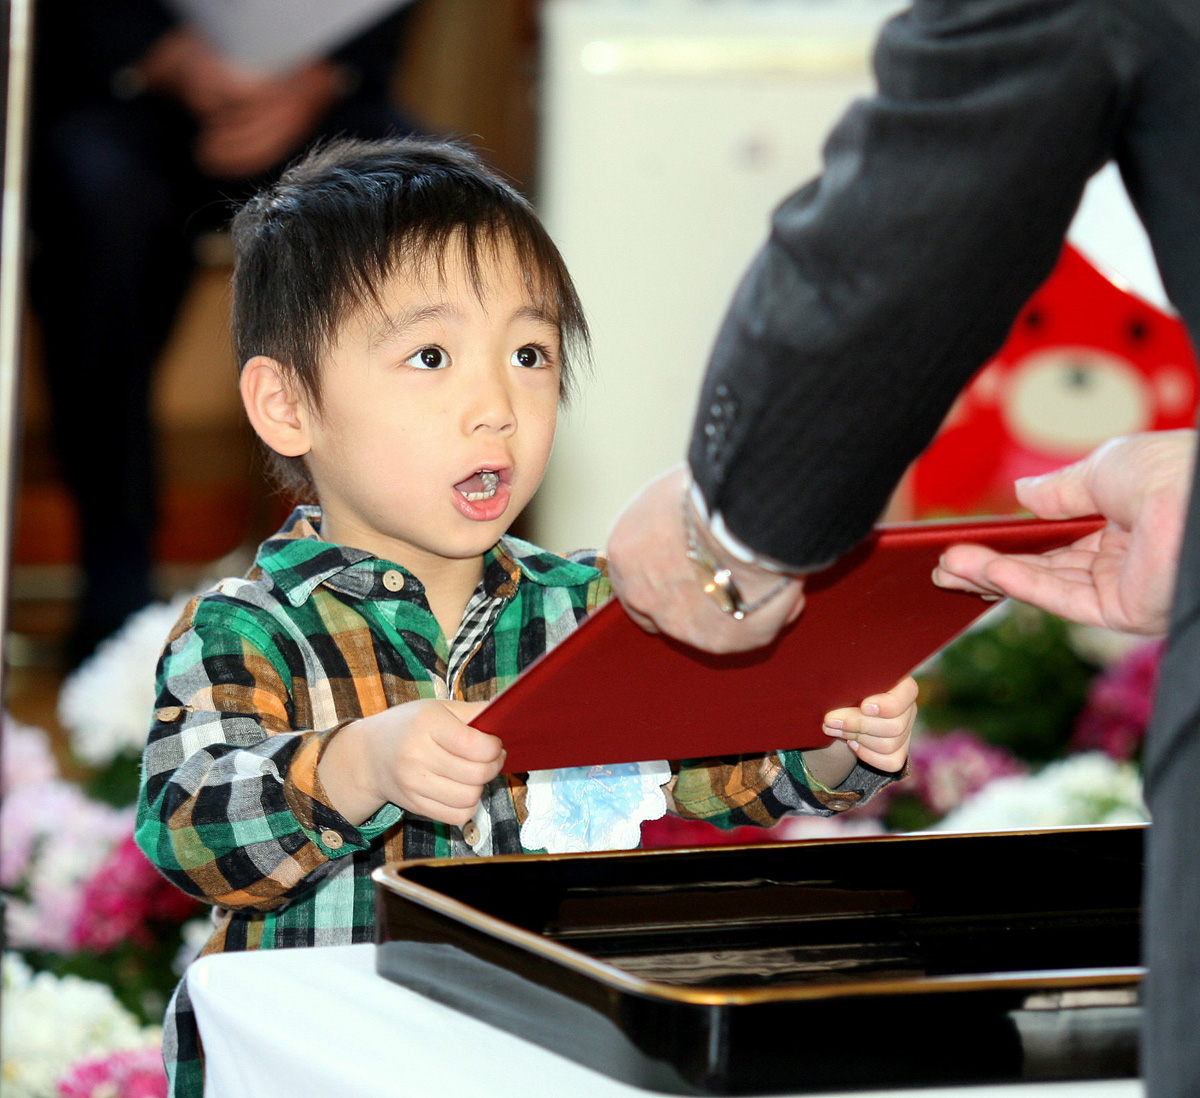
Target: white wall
[[670, 130]]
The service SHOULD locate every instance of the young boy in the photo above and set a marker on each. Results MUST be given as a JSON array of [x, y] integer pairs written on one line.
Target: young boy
[[405, 327]]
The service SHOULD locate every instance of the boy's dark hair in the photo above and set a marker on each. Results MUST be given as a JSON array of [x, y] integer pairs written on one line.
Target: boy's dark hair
[[316, 246]]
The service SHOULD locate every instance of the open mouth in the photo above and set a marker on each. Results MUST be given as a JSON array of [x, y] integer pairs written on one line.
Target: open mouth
[[479, 486]]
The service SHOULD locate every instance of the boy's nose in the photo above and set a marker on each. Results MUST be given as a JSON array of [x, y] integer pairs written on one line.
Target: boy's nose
[[490, 406]]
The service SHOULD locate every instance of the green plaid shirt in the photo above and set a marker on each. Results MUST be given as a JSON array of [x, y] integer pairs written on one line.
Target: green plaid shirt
[[262, 671]]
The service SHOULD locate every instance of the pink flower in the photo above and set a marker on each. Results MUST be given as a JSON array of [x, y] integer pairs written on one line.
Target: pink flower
[[948, 768], [125, 895], [1118, 706], [51, 839], [25, 757], [135, 1073]]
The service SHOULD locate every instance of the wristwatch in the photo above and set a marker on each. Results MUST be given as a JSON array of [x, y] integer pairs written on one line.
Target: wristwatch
[[717, 580]]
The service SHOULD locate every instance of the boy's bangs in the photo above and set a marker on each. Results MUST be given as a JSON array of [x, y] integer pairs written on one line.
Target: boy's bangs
[[484, 245]]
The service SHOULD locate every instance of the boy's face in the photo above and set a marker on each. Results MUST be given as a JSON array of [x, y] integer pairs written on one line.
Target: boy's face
[[437, 414]]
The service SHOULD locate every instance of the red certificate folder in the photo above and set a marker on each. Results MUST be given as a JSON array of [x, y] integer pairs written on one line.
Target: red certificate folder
[[612, 693]]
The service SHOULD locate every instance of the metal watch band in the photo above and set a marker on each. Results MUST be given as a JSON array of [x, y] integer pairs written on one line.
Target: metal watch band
[[717, 581]]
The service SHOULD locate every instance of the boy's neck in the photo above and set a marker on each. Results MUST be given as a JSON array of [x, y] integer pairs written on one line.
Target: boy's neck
[[449, 585], [449, 582]]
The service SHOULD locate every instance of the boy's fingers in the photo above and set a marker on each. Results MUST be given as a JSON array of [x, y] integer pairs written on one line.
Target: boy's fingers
[[465, 772], [893, 703], [879, 730], [447, 793], [906, 691], [464, 741], [438, 810], [891, 761]]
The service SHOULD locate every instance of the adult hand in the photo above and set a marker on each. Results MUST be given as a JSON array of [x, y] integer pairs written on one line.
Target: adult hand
[[248, 121], [184, 65], [653, 577], [270, 121], [1121, 577]]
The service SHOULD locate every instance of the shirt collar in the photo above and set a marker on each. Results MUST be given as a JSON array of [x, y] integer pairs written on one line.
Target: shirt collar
[[298, 562]]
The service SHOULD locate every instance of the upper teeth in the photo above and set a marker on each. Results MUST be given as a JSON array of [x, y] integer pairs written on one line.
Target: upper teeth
[[491, 482]]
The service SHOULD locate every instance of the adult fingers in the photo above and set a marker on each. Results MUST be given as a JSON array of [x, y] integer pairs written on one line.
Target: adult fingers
[[1068, 593], [1064, 493]]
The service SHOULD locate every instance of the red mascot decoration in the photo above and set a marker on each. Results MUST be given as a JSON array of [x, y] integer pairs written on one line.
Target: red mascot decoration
[[1085, 361]]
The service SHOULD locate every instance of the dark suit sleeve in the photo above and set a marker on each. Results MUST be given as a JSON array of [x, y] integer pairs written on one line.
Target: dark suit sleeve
[[889, 280]]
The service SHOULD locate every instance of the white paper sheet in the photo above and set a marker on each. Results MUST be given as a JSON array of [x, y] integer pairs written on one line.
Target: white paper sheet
[[276, 35]]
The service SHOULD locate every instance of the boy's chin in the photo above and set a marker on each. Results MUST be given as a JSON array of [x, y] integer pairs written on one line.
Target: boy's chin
[[476, 543]]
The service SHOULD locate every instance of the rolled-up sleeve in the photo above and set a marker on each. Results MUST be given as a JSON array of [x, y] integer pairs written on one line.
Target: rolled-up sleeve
[[760, 790], [231, 807]]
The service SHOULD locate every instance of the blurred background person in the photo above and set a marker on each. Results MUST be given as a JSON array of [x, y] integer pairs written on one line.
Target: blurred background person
[[145, 134]]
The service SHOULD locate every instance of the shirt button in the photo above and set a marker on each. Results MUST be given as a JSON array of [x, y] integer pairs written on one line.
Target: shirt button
[[393, 580], [169, 713], [471, 832], [332, 839]]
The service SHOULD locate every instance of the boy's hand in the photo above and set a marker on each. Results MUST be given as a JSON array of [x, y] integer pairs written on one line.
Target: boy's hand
[[421, 755], [878, 730], [439, 764]]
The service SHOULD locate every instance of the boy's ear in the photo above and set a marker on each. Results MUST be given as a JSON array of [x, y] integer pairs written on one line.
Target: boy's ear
[[275, 406]]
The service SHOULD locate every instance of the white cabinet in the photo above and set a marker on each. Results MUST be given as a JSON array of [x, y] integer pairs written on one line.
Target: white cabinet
[[670, 130]]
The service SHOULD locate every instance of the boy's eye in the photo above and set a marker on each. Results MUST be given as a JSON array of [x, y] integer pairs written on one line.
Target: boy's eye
[[530, 357], [428, 358]]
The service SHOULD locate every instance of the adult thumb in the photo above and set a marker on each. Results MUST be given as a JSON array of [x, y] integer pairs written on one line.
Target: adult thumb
[[1061, 494]]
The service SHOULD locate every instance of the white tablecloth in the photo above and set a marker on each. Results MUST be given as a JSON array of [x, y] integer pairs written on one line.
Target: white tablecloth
[[319, 1023]]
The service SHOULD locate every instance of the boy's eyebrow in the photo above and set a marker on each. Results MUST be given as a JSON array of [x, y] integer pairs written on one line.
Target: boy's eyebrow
[[397, 323], [541, 315]]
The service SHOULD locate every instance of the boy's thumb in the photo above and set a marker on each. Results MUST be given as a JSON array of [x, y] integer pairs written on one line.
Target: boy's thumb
[[466, 711]]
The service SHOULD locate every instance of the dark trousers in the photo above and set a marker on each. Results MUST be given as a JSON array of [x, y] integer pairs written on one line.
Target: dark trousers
[[1171, 948], [116, 205]]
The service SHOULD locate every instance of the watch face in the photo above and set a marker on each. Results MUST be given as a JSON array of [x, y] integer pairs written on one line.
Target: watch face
[[717, 582], [720, 589]]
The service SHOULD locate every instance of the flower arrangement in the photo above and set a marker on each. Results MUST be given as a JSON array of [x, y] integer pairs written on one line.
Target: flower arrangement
[[52, 837], [96, 936], [130, 1073], [59, 1033], [1088, 788], [1118, 705]]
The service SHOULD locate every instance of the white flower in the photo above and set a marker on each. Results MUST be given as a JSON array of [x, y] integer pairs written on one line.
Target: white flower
[[1088, 788], [106, 703], [1103, 646], [48, 1024], [827, 827], [194, 935]]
